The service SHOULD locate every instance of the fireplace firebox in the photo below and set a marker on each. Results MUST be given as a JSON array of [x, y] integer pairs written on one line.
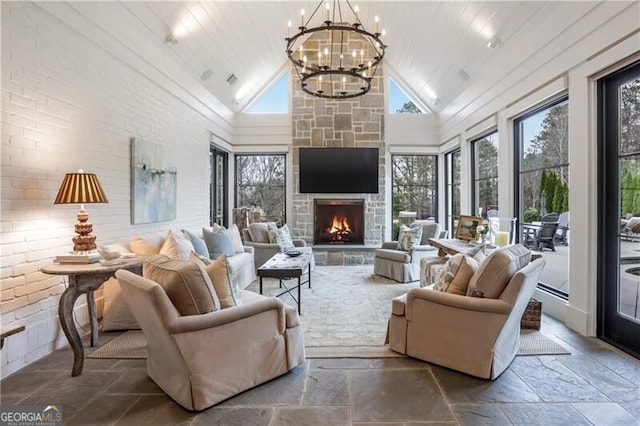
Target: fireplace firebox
[[338, 221]]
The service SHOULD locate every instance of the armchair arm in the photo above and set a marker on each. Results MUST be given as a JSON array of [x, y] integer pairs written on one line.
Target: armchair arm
[[467, 303], [263, 245], [425, 247], [190, 323], [248, 249], [390, 245]]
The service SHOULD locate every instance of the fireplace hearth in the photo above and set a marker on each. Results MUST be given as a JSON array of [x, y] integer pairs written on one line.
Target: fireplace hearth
[[338, 221]]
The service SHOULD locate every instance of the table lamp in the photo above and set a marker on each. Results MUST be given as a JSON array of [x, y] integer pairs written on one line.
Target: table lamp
[[81, 188]]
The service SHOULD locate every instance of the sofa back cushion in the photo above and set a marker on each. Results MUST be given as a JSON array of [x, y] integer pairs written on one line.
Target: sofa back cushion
[[496, 270], [430, 229], [259, 232], [186, 283]]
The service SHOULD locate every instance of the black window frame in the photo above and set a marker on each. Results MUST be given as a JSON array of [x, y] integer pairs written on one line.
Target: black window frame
[[433, 187], [279, 220], [474, 178]]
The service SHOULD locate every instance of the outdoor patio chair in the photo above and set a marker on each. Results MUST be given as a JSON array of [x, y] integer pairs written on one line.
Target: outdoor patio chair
[[563, 227], [546, 234]]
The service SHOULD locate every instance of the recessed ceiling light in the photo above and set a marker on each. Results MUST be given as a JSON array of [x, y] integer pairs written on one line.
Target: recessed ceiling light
[[430, 93], [494, 43]]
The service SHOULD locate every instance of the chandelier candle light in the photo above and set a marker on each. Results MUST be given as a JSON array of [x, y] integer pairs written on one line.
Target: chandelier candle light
[[342, 60]]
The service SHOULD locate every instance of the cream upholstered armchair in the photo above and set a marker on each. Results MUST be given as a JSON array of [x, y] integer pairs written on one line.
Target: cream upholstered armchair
[[479, 336], [202, 359], [404, 265], [256, 235]]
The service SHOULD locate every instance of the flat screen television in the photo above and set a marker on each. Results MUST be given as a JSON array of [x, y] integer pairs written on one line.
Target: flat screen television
[[339, 170]]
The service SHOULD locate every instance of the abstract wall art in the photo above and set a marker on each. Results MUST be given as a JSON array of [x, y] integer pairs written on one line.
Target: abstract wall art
[[154, 183]]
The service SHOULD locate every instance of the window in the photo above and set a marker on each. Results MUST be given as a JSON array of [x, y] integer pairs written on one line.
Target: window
[[542, 179], [275, 99], [218, 163], [260, 183], [399, 101], [485, 174], [414, 185], [452, 173]]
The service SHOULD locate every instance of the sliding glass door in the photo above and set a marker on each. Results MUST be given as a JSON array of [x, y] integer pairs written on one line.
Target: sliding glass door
[[619, 205]]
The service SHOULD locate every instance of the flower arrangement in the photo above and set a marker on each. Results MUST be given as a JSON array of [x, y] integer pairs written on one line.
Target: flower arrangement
[[482, 229]]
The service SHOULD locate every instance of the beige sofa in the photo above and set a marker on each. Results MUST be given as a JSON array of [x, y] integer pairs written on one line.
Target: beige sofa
[[117, 315], [204, 357], [476, 335]]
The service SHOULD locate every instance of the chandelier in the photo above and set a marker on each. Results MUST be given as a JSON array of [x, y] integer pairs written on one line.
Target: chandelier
[[335, 59]]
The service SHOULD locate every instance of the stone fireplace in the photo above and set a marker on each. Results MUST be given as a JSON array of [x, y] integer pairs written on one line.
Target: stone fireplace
[[332, 123], [338, 221]]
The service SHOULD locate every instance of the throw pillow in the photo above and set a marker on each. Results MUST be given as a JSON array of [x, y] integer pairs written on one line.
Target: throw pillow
[[272, 228], [225, 283], [176, 246], [409, 237], [236, 239], [456, 274], [218, 243], [477, 253], [145, 246], [282, 237], [199, 259], [496, 271], [199, 246], [186, 283]]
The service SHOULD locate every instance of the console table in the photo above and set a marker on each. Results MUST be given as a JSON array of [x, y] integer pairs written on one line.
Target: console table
[[448, 246], [85, 279]]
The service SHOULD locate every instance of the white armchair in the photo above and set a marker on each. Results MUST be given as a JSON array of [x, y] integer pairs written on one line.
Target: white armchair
[[404, 266], [475, 335], [202, 359]]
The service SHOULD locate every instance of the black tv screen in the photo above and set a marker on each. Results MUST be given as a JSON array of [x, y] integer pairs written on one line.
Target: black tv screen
[[338, 170]]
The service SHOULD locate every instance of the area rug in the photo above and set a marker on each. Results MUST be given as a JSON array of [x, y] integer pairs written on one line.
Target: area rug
[[344, 315]]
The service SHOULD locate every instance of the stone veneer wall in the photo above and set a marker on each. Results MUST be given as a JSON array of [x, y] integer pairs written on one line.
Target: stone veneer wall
[[350, 123]]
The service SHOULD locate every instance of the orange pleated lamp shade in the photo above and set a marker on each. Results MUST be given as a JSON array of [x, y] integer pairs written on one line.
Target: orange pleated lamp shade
[[80, 188]]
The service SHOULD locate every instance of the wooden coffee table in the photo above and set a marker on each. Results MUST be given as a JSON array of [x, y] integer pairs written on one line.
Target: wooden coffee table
[[286, 267]]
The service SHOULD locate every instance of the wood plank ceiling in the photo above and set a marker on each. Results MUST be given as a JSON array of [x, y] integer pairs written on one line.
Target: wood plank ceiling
[[435, 47]]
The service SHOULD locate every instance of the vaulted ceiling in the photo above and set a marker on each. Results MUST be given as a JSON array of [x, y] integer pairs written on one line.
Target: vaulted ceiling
[[434, 47]]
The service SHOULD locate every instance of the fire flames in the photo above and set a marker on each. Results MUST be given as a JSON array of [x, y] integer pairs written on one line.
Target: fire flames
[[339, 228]]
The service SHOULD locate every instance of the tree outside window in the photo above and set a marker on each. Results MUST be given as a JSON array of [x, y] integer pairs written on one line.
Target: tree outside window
[[453, 167], [260, 183], [544, 161], [414, 185], [485, 173]]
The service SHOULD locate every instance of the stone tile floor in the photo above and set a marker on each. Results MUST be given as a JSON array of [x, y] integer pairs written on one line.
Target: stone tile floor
[[596, 384]]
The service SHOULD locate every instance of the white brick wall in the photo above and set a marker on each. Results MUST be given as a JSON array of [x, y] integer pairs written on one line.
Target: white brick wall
[[69, 104]]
